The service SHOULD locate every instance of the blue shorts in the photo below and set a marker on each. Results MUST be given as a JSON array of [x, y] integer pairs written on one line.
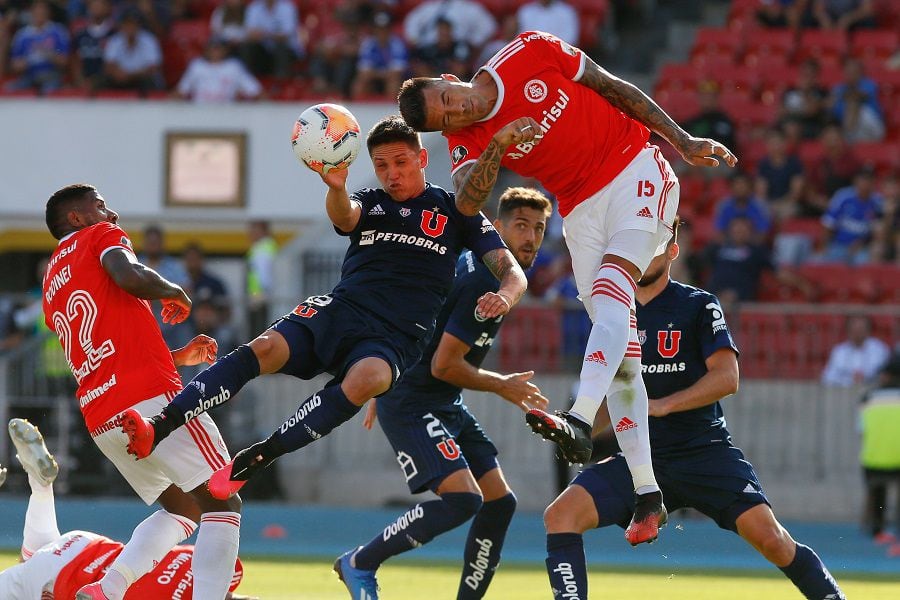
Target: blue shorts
[[433, 443], [326, 335], [716, 480]]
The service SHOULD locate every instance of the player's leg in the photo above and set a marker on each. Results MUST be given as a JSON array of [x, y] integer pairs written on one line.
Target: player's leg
[[799, 563], [40, 516], [266, 354], [487, 533], [216, 549]]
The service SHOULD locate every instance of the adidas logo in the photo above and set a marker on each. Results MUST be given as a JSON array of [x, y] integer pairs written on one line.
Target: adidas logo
[[644, 212], [376, 210], [625, 424], [749, 489], [596, 357]]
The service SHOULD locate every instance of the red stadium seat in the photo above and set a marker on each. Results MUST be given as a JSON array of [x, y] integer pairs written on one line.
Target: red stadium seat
[[761, 42], [763, 63], [738, 77], [820, 44], [878, 44], [710, 65], [680, 104], [716, 42], [532, 338], [887, 15], [194, 32], [840, 283], [810, 153], [883, 156], [117, 95], [680, 76]]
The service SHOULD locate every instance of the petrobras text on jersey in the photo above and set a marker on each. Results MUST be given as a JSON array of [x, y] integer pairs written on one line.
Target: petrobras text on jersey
[[481, 563], [415, 513], [208, 403], [551, 115], [302, 412], [678, 367], [367, 238]]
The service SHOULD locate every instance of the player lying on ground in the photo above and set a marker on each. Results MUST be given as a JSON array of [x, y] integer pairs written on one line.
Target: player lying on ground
[[689, 363], [439, 444], [54, 566], [405, 239], [96, 301], [545, 110]]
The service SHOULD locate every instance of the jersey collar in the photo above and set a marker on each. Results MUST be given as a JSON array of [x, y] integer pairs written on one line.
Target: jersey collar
[[499, 100], [66, 237]]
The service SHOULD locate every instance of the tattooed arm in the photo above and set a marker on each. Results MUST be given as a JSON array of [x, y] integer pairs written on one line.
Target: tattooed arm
[[639, 106], [474, 182], [513, 283]]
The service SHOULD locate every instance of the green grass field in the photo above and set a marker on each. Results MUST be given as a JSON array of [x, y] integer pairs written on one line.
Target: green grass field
[[280, 579]]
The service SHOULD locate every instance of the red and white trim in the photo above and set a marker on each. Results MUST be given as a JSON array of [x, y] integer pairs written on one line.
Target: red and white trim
[[505, 52], [186, 524], [229, 518], [205, 444], [624, 273], [606, 287]]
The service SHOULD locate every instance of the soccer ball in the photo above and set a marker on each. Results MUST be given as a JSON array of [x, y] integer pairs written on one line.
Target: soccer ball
[[326, 137]]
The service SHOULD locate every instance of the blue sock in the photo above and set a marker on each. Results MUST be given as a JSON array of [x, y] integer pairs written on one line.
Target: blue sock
[[417, 526], [486, 535], [214, 386], [811, 577], [315, 418], [566, 566]]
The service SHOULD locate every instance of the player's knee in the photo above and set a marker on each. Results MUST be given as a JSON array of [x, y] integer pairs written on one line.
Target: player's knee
[[464, 505], [776, 545], [367, 379], [557, 519], [268, 352]]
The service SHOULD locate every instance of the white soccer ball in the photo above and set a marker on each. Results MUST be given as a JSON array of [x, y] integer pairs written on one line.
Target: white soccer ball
[[326, 137]]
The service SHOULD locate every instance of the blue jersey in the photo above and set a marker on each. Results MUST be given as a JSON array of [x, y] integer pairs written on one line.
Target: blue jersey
[[457, 317], [402, 256], [678, 330]]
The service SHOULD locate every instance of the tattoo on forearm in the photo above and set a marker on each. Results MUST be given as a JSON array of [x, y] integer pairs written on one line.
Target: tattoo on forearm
[[501, 264], [631, 100], [473, 192]]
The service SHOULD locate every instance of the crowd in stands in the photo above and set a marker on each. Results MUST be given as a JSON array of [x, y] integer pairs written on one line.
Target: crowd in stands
[[223, 50]]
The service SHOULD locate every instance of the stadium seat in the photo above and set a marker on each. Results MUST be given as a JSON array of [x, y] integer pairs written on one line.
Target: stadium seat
[[879, 44], [738, 77], [887, 15], [679, 76], [713, 41], [117, 95], [821, 44], [680, 104], [532, 336], [840, 283], [763, 63], [769, 41], [810, 152], [883, 156], [711, 65]]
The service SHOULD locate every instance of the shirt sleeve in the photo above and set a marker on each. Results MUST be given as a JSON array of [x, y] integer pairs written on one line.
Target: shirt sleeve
[[546, 47], [110, 237], [480, 235], [713, 331], [189, 79], [462, 322], [464, 149], [365, 198]]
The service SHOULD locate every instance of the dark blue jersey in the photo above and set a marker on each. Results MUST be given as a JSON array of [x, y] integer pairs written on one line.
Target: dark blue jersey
[[678, 330], [402, 255], [457, 317]]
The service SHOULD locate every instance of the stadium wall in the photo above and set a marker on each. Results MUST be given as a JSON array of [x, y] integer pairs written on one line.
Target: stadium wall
[[801, 437]]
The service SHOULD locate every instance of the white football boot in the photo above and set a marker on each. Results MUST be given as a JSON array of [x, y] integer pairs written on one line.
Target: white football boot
[[31, 451]]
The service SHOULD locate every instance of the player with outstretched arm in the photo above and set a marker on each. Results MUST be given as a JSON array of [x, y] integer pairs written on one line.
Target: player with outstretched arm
[[689, 363], [543, 109]]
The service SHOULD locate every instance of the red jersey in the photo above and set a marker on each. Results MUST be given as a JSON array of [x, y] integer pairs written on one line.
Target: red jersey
[[171, 579], [111, 340], [586, 141]]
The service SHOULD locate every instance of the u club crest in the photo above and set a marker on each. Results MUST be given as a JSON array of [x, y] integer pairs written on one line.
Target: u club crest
[[433, 223], [668, 342]]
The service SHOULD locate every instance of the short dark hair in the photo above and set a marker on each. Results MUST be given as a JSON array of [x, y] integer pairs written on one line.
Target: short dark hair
[[522, 197], [392, 129], [412, 102], [60, 203]]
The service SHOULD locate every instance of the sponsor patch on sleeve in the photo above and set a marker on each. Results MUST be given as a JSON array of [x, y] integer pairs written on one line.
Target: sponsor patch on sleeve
[[458, 154]]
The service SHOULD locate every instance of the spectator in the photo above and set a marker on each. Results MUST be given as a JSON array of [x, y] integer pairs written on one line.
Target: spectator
[[785, 13], [509, 28], [780, 174], [829, 173], [742, 203], [132, 58], [885, 246], [154, 15], [332, 64], [860, 123], [576, 324], [851, 218], [472, 23], [844, 15], [880, 451], [10, 11], [228, 22], [215, 77], [273, 43], [855, 81], [857, 360], [711, 121], [89, 44], [260, 275], [553, 16], [805, 102], [39, 52], [155, 257], [202, 285], [10, 335], [446, 55], [383, 60], [737, 263]]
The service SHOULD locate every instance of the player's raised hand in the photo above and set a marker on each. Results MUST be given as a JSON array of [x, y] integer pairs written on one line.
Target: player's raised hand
[[704, 152], [491, 306], [520, 391], [371, 414], [201, 349], [336, 179], [523, 129], [175, 310]]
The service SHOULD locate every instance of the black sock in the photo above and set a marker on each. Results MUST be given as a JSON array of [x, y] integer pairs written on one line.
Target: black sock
[[417, 526], [483, 546], [566, 566], [811, 577], [315, 418]]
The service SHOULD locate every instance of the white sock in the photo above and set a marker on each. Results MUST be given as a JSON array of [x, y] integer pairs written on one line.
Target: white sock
[[628, 405], [150, 542], [215, 554], [613, 299], [40, 518]]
